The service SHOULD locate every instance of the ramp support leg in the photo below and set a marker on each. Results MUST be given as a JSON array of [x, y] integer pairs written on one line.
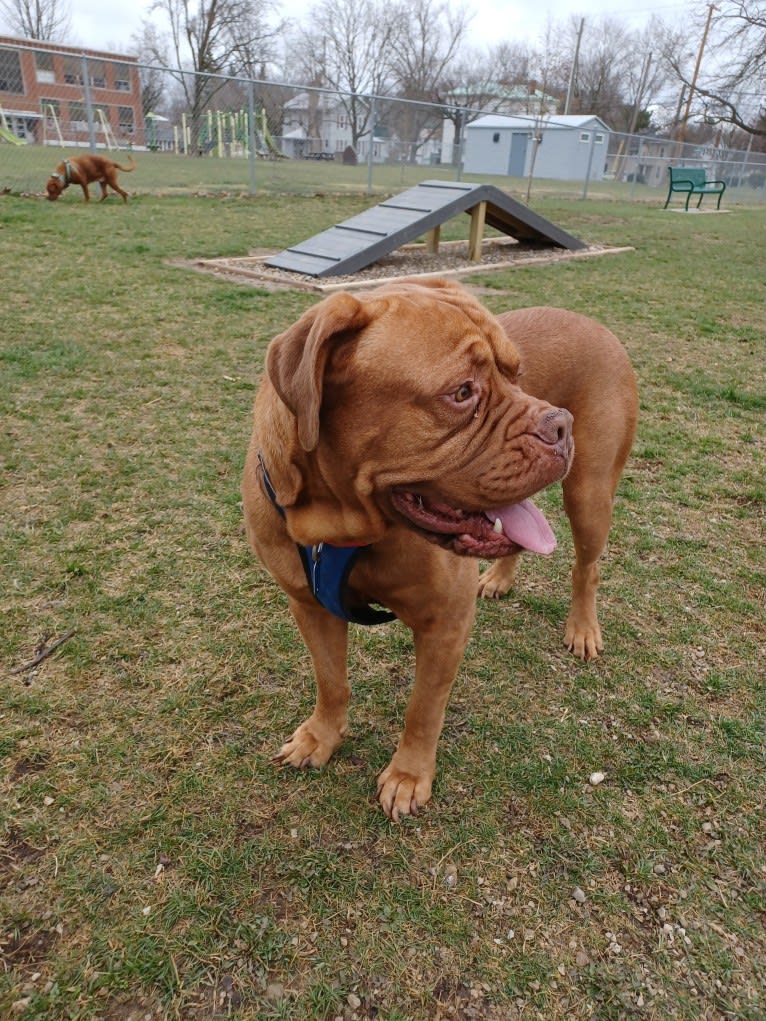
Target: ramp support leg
[[432, 240], [478, 214]]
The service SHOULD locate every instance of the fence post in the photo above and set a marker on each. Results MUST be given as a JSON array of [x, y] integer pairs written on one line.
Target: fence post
[[88, 104], [372, 145], [634, 184], [251, 140], [460, 144], [590, 163]]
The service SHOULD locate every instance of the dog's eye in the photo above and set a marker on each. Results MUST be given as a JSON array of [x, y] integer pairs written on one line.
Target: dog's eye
[[464, 393]]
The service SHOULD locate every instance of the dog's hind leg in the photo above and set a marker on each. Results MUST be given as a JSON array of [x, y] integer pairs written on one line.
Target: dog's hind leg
[[111, 180], [326, 637], [588, 502], [119, 191]]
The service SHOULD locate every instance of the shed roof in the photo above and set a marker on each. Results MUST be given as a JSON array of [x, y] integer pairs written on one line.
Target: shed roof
[[553, 122]]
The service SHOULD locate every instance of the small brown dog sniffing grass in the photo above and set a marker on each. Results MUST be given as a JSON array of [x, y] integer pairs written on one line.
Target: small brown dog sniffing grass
[[409, 424], [85, 170]]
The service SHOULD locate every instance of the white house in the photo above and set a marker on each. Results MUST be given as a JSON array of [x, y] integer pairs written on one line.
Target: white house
[[569, 147], [317, 124]]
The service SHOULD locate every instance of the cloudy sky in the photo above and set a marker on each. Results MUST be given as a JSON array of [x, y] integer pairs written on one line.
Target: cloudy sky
[[110, 25]]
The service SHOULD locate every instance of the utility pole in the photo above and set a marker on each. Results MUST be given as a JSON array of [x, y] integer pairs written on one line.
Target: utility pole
[[682, 129], [570, 87]]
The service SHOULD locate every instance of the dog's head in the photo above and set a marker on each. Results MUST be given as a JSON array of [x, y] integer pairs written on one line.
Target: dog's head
[[54, 187], [408, 408]]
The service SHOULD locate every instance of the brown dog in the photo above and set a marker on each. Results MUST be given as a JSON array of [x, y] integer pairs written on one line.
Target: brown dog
[[84, 170], [395, 421], [572, 361]]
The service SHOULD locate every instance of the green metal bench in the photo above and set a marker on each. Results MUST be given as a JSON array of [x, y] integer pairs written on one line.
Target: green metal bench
[[691, 181]]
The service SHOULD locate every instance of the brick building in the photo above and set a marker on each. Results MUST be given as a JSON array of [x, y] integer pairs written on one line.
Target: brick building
[[47, 94]]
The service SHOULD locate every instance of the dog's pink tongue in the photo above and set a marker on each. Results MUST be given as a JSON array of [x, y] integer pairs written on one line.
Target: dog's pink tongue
[[525, 525]]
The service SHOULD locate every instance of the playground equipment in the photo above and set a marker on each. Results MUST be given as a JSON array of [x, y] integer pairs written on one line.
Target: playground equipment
[[6, 135], [225, 133], [268, 140], [49, 113], [111, 142]]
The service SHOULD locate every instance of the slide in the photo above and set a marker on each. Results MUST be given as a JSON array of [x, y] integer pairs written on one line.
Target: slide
[[266, 135], [8, 136]]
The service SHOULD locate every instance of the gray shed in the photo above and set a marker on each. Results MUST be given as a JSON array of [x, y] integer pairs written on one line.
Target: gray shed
[[571, 144]]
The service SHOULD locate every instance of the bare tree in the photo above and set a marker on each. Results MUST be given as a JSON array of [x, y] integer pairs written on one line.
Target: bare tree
[[428, 37], [213, 38], [480, 79], [347, 49], [606, 50], [477, 82], [37, 19], [731, 87], [646, 84], [150, 49]]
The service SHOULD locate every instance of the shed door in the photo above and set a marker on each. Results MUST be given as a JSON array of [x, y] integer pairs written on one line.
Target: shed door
[[518, 157]]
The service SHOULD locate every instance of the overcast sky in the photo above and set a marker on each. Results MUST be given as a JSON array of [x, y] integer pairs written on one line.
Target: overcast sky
[[110, 25]]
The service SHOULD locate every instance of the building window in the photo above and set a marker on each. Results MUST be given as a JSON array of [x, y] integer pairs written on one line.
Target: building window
[[72, 75], [44, 68], [599, 138], [122, 77], [97, 74], [78, 117], [585, 136], [126, 122], [496, 136], [10, 72]]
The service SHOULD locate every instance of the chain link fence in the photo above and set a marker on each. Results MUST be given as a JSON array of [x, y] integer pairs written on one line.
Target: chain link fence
[[230, 134]]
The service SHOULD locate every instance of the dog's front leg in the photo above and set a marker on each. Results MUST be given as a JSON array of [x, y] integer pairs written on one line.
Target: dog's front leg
[[326, 637], [405, 784]]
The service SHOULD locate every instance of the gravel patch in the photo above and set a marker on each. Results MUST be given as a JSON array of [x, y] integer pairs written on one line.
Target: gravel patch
[[409, 260]]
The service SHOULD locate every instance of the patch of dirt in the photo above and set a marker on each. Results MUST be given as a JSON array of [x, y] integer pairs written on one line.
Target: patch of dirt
[[26, 946], [408, 261], [15, 853], [35, 763]]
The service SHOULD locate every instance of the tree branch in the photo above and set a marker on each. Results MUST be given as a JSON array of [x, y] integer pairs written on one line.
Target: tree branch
[[43, 652]]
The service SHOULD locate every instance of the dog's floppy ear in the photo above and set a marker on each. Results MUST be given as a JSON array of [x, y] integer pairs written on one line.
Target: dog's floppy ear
[[296, 359]]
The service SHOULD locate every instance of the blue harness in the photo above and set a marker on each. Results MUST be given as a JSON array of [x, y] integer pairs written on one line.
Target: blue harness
[[327, 570]]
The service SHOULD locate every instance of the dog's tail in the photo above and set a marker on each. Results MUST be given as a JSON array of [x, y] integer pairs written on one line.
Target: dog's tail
[[127, 170]]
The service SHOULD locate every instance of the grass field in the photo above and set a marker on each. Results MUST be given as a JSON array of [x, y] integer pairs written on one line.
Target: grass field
[[155, 864], [25, 169]]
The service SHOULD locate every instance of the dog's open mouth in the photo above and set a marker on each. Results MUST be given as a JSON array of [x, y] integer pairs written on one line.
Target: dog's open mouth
[[490, 534]]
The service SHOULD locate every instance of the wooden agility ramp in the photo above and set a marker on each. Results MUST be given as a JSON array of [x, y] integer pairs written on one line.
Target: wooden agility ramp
[[356, 243]]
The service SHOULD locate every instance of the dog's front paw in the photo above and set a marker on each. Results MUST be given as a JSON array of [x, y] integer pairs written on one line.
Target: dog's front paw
[[403, 791], [311, 745], [497, 581], [583, 637]]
